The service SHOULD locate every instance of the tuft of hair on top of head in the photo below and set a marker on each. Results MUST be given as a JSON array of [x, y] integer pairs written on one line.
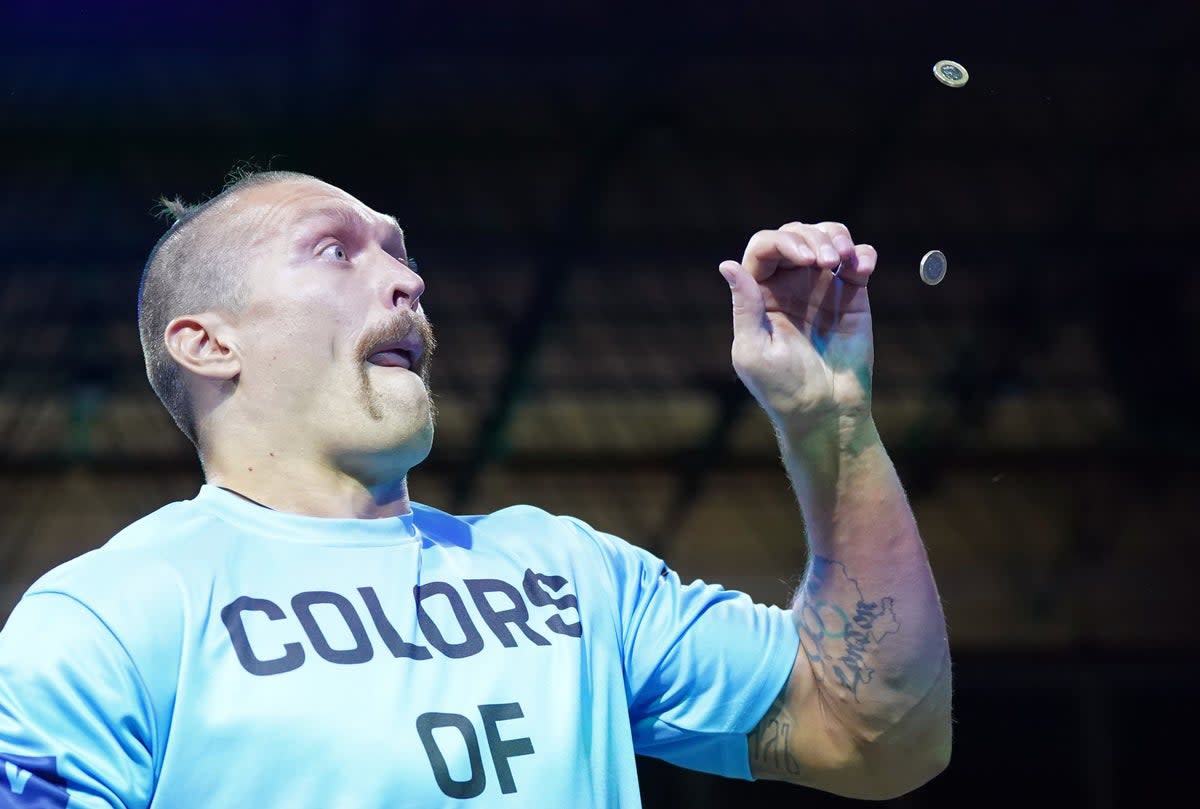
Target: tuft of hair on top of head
[[175, 208], [242, 171], [243, 175]]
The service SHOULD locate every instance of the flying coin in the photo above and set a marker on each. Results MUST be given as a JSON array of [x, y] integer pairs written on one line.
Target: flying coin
[[933, 267], [950, 73]]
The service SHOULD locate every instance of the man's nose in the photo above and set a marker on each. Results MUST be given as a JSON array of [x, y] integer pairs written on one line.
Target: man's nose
[[403, 287]]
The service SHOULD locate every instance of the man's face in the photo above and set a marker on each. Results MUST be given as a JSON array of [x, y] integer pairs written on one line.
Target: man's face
[[333, 341]]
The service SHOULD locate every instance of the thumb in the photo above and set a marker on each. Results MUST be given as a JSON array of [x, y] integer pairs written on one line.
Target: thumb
[[748, 306]]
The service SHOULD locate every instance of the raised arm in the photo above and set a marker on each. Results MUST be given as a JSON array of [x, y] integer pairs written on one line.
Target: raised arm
[[866, 711]]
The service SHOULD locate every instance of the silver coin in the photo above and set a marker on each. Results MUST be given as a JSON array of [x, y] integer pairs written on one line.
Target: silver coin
[[933, 267], [951, 73]]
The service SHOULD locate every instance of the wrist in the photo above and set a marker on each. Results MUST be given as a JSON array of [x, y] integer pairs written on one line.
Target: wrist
[[827, 463], [848, 432]]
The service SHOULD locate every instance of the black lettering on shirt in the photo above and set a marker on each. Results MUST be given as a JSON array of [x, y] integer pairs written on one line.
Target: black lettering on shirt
[[472, 643], [396, 645], [231, 616], [302, 604], [497, 620], [540, 598]]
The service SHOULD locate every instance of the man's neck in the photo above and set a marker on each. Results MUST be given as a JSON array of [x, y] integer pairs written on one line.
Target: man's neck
[[310, 489]]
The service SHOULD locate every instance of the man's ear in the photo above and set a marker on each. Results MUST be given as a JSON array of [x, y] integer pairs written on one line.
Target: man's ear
[[203, 345]]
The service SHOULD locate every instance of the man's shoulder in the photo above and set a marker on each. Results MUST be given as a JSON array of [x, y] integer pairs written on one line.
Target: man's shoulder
[[515, 522], [162, 528], [136, 559], [132, 585], [425, 512], [535, 530]]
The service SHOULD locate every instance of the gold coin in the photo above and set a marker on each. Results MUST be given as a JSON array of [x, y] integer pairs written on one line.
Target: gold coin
[[950, 73], [933, 267]]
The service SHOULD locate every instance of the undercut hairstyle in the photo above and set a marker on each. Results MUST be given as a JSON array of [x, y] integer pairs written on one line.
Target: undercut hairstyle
[[195, 267]]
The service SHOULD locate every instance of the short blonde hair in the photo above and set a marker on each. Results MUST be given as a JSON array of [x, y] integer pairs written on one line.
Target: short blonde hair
[[195, 267]]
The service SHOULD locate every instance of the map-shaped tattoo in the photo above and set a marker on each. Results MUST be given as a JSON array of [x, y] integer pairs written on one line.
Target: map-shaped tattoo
[[844, 629]]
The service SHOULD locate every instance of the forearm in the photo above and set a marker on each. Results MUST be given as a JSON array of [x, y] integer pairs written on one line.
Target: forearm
[[868, 611]]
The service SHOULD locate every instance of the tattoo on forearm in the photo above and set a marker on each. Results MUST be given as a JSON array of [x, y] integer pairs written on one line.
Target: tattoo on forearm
[[839, 640], [769, 741]]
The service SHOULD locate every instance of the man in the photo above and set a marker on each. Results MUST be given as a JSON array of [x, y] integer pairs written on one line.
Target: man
[[302, 634]]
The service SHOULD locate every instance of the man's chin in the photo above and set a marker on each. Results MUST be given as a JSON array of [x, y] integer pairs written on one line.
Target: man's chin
[[398, 375], [388, 454]]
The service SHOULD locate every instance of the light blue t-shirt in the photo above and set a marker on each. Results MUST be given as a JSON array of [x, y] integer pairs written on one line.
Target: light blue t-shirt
[[219, 654]]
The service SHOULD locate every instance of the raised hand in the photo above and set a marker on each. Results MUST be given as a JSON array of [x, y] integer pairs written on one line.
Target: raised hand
[[801, 322]]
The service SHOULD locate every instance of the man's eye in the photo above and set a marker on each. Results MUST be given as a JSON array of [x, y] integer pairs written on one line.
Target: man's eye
[[336, 252]]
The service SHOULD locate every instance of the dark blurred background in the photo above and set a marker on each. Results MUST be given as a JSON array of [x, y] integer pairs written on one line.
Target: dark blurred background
[[569, 176]]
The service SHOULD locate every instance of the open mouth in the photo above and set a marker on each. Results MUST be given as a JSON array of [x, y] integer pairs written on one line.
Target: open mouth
[[392, 358], [405, 353]]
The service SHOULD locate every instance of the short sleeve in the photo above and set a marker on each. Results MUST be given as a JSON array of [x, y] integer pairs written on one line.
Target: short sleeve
[[75, 726], [702, 663]]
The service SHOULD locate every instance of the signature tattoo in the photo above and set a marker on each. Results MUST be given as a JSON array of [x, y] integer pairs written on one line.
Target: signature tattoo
[[840, 641], [770, 739]]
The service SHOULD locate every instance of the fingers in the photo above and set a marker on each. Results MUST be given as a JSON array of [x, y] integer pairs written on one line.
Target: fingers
[[768, 250], [825, 245], [836, 251], [867, 260], [819, 242], [749, 309]]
